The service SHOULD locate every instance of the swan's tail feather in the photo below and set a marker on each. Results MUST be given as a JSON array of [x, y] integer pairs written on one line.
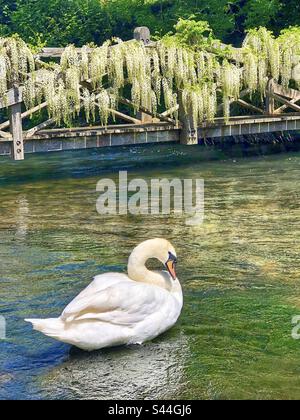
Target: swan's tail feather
[[52, 327]]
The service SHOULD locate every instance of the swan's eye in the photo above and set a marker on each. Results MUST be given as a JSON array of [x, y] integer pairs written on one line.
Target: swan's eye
[[172, 257]]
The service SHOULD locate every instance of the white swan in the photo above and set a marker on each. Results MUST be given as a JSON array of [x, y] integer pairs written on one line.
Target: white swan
[[117, 309]]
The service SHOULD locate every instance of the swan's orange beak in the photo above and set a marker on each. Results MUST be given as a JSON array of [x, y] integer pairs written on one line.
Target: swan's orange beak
[[171, 266]]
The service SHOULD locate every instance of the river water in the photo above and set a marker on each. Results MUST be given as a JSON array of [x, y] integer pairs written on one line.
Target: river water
[[239, 270]]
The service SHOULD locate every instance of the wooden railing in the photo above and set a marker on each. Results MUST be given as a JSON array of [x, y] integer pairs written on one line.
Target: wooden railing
[[276, 94]]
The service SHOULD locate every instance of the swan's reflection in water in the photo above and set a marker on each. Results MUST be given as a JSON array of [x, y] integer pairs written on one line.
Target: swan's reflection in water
[[152, 371]]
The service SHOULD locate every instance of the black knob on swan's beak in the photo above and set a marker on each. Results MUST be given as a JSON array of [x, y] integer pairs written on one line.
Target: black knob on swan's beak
[[171, 265]]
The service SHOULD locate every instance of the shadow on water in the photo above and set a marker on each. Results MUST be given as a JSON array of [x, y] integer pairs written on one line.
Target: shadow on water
[[92, 162], [153, 370]]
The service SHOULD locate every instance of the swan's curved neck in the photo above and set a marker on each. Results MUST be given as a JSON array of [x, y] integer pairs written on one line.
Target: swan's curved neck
[[138, 271]]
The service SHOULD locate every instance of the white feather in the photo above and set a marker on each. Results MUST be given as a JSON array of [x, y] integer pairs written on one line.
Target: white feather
[[115, 309]]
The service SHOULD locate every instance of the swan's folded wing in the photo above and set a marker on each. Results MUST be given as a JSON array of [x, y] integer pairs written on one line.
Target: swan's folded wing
[[121, 304], [100, 283]]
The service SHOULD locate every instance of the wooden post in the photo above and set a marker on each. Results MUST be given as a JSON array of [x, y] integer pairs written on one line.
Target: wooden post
[[143, 34], [188, 133], [270, 102], [15, 118], [296, 73]]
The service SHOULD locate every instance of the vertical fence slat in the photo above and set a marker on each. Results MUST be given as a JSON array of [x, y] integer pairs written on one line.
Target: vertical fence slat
[[15, 119], [270, 102]]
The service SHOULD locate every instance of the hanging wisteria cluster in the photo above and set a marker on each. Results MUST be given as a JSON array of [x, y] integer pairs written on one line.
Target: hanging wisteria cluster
[[165, 74], [16, 61]]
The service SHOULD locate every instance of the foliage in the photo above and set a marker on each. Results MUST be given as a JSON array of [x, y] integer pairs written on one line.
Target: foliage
[[59, 22], [288, 15], [185, 68], [190, 32], [260, 12], [290, 45], [16, 60], [262, 59], [62, 22]]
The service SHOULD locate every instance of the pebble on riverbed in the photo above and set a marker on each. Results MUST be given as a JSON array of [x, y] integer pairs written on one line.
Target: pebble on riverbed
[[6, 377]]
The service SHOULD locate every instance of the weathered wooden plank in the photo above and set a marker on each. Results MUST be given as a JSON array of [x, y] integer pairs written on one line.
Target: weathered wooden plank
[[25, 114], [246, 105], [220, 107], [146, 111], [5, 135], [12, 97], [284, 107], [244, 93], [16, 131], [99, 130], [286, 92], [285, 102], [34, 109], [118, 113], [4, 125], [188, 132], [55, 52], [124, 116], [253, 119], [38, 127], [142, 34], [170, 111], [270, 103], [144, 118]]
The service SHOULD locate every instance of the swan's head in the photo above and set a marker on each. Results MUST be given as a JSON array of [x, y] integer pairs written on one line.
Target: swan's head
[[158, 248], [169, 258], [164, 251]]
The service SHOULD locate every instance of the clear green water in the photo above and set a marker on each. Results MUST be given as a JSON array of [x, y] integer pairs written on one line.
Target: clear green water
[[240, 274]]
